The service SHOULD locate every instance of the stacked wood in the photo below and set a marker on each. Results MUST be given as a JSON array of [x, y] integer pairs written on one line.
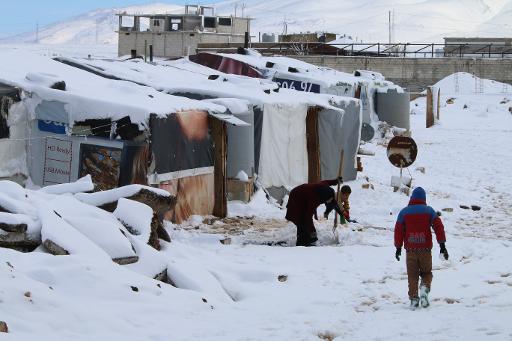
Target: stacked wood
[[18, 241], [14, 235], [160, 205]]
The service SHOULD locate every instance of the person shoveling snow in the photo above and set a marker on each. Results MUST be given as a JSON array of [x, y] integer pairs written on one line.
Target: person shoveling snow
[[302, 204], [412, 229]]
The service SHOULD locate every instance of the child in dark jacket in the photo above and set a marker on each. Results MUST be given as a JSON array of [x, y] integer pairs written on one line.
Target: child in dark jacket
[[413, 230]]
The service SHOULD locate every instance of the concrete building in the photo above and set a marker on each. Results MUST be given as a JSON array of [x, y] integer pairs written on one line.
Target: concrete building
[[177, 35]]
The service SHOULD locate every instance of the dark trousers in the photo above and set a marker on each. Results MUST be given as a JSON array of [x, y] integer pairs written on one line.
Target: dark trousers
[[419, 264], [305, 235]]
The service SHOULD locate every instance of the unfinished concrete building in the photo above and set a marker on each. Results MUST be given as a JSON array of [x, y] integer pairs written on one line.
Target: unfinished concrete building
[[177, 35]]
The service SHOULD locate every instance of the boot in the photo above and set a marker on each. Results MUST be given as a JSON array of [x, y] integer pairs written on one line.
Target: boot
[[424, 296], [415, 302]]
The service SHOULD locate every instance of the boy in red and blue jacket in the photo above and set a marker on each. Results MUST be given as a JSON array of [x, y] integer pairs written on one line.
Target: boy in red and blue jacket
[[413, 230]]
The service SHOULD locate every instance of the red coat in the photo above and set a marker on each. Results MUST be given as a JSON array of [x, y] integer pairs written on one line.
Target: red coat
[[414, 222], [302, 203]]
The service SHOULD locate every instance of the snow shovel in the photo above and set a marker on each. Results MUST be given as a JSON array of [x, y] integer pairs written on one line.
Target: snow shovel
[[340, 173]]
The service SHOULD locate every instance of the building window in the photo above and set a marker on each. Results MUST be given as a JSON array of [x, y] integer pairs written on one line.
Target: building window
[[224, 21], [156, 22], [209, 22], [176, 24]]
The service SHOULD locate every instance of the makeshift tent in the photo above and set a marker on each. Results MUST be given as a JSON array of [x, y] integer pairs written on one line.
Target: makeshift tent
[[265, 101], [81, 123]]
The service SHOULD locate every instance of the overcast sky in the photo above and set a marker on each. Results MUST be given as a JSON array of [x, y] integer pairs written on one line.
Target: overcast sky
[[23, 15]]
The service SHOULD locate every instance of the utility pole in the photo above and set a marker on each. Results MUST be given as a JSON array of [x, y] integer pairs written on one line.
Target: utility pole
[[389, 27], [37, 32]]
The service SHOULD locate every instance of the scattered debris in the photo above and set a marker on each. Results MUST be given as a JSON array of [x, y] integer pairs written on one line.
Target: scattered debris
[[126, 260], [282, 278], [464, 207], [465, 106], [54, 249], [450, 100], [134, 288], [367, 186], [475, 208], [362, 151], [328, 336], [447, 209], [492, 282], [420, 169], [162, 277], [3, 327], [19, 228], [225, 241], [27, 294], [205, 300]]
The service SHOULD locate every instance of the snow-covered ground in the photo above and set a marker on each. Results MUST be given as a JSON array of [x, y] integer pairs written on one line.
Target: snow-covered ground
[[353, 290]]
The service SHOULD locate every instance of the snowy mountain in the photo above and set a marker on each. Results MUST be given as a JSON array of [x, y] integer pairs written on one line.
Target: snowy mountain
[[95, 27], [367, 20]]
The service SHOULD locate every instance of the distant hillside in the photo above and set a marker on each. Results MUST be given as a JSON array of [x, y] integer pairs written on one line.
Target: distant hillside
[[367, 20]]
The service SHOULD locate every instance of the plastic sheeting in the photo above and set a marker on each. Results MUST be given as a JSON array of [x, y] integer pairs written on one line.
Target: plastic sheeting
[[241, 146], [283, 154], [338, 131], [393, 107]]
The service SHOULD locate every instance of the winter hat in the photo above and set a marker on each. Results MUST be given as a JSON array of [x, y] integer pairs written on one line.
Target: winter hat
[[324, 193], [418, 196]]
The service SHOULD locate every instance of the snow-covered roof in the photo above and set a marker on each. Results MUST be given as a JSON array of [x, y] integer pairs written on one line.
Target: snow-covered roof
[[320, 75], [282, 65], [88, 96], [183, 76]]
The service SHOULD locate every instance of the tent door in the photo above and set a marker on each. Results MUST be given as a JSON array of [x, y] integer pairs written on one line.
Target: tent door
[[220, 142]]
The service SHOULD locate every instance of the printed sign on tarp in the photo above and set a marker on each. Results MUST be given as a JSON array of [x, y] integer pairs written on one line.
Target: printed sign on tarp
[[181, 141], [297, 85], [102, 163], [57, 161], [51, 127]]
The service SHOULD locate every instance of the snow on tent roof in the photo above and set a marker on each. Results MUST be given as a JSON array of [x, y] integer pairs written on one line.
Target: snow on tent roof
[[88, 96], [282, 65], [183, 76], [322, 75]]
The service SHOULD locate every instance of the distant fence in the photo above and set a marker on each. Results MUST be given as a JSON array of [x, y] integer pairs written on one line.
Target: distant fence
[[411, 50]]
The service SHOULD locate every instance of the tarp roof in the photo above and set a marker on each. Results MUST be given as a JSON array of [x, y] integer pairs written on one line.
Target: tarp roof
[[88, 96], [183, 76]]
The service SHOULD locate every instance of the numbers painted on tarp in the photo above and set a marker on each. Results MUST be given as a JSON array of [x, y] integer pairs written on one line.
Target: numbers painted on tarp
[[297, 85]]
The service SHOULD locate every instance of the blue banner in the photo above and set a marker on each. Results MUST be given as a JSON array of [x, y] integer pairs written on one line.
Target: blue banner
[[52, 127]]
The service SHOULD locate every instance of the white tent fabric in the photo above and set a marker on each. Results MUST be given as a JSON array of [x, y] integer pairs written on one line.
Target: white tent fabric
[[283, 155]]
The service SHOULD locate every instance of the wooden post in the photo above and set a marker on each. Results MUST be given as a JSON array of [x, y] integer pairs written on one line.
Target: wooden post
[[340, 173], [313, 145], [219, 136], [430, 108], [438, 102]]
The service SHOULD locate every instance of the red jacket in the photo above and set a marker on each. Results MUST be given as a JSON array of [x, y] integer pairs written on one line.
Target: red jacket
[[303, 201], [414, 222]]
